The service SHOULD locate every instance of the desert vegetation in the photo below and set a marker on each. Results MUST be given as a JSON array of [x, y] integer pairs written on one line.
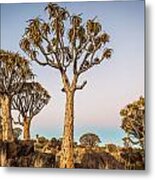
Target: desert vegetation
[[66, 43]]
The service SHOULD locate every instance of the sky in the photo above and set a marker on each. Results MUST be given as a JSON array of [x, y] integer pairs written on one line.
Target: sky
[[111, 86]]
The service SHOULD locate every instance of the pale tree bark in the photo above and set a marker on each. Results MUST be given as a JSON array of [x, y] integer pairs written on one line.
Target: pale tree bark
[[67, 151], [7, 130], [3, 154], [26, 133]]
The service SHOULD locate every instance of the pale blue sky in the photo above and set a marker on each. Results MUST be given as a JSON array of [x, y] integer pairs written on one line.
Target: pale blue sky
[[111, 85]]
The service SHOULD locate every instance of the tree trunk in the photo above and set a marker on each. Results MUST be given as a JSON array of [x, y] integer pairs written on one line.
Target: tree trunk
[[7, 130], [67, 151], [3, 154], [26, 133]]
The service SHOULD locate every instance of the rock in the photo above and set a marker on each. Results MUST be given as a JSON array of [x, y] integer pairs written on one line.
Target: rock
[[44, 160], [26, 148], [93, 160]]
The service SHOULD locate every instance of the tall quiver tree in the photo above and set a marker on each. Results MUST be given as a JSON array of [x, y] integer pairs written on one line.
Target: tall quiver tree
[[29, 102], [72, 52], [14, 72]]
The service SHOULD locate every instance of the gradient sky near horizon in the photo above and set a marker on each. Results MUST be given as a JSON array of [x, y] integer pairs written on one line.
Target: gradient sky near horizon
[[111, 85]]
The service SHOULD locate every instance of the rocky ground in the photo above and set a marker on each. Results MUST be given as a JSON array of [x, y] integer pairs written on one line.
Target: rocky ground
[[47, 154]]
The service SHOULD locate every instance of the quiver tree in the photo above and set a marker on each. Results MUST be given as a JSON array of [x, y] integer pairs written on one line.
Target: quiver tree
[[14, 72], [64, 42], [29, 102], [89, 140], [133, 122]]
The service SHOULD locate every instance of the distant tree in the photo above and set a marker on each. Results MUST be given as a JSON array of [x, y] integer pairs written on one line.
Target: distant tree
[[37, 136], [42, 140], [14, 72], [127, 142], [111, 148], [72, 52], [133, 121], [29, 102], [54, 142], [17, 132], [89, 139]]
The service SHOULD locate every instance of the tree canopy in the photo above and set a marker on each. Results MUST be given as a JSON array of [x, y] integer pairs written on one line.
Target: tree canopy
[[133, 121], [89, 139], [65, 41], [14, 72], [30, 100]]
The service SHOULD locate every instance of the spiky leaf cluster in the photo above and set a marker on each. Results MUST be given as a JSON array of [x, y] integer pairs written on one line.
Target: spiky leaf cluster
[[14, 72]]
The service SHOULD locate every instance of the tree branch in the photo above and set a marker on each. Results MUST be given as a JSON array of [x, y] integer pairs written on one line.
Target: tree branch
[[48, 61], [80, 87], [41, 63], [18, 122]]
